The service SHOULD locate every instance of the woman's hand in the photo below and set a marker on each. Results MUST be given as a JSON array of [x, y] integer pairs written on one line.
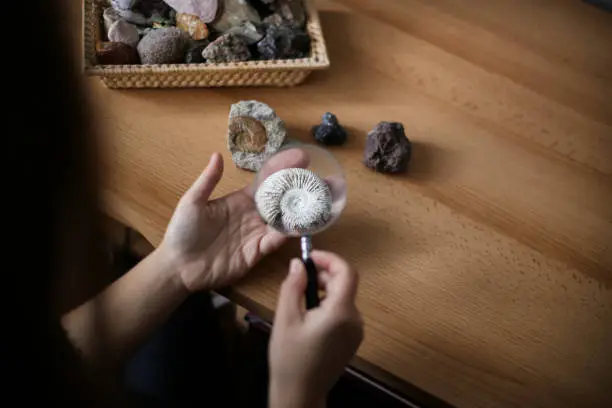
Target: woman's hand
[[214, 243], [309, 349]]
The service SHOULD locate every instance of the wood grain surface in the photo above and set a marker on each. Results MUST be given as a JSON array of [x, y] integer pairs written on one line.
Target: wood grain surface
[[486, 271]]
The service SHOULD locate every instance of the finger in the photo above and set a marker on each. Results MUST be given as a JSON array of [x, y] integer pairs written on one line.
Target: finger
[[271, 241], [291, 298], [285, 159], [208, 180], [342, 281], [324, 278]]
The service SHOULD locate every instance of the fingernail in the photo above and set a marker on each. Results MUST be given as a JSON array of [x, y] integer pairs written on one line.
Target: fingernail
[[294, 267]]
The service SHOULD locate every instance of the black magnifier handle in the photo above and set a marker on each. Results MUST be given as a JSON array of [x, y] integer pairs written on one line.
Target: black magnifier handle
[[312, 287]]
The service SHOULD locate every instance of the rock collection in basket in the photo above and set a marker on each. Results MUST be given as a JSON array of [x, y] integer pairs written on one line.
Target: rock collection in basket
[[199, 31]]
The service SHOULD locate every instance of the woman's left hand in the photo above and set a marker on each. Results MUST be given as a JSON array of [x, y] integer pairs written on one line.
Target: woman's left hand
[[214, 243]]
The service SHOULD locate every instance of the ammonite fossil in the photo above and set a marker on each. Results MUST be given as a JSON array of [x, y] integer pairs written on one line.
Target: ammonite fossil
[[248, 134], [294, 201], [254, 133]]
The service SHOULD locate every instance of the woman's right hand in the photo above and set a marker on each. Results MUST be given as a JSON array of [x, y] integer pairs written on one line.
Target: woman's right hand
[[309, 349]]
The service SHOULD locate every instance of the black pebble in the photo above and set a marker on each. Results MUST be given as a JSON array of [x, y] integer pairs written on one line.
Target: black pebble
[[194, 55], [329, 132]]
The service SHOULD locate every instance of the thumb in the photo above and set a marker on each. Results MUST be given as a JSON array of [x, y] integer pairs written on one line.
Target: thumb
[[291, 298], [203, 187]]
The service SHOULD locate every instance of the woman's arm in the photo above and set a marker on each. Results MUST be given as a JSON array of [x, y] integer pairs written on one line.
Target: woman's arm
[[108, 327], [208, 244]]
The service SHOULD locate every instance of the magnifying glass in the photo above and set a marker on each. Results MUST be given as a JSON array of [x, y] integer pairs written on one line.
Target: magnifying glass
[[301, 191]]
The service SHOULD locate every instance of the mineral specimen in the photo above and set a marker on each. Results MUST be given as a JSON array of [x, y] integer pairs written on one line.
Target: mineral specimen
[[191, 24], [205, 9], [151, 8], [163, 46], [255, 132], [124, 32], [123, 4], [234, 13], [274, 19], [227, 48], [115, 53], [387, 148], [249, 32], [329, 132], [110, 15], [194, 54], [283, 42], [291, 10], [294, 200], [123, 9]]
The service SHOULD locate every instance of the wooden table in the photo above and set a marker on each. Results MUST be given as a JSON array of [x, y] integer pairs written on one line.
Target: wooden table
[[486, 272]]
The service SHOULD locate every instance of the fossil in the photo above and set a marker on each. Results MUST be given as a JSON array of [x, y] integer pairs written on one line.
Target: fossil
[[248, 134], [254, 133], [294, 200]]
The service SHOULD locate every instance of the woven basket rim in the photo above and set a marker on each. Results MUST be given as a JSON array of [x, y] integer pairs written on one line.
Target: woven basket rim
[[318, 59]]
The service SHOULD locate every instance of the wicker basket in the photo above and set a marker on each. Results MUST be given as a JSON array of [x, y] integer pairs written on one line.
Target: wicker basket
[[250, 73]]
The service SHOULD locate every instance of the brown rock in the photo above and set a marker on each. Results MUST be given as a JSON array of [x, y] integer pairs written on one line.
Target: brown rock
[[387, 148], [191, 24], [248, 134], [116, 53]]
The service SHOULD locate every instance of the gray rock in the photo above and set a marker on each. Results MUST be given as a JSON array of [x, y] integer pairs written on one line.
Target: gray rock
[[227, 48], [110, 15], [163, 46], [144, 30], [123, 10], [249, 32], [124, 32], [255, 133], [123, 4], [133, 17], [234, 13]]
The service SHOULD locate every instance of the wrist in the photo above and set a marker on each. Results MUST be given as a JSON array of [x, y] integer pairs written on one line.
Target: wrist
[[294, 397], [174, 267]]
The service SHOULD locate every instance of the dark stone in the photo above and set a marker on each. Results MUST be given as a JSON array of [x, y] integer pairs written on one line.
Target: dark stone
[[116, 53], [292, 11], [274, 20], [194, 55], [150, 8], [262, 7], [329, 132], [284, 42], [227, 48], [387, 148]]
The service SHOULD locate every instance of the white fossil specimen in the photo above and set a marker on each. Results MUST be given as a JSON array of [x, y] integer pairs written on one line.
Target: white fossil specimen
[[294, 201]]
